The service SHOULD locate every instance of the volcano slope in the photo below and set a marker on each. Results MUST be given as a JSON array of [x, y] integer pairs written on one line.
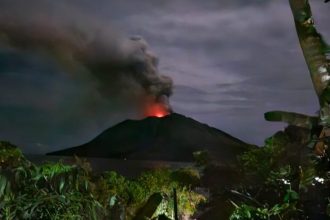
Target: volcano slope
[[170, 138]]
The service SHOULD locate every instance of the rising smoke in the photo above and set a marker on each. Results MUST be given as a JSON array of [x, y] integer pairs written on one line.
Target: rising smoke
[[121, 70]]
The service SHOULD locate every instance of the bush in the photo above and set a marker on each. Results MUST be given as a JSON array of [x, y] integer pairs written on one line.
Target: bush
[[134, 193], [280, 186], [59, 191]]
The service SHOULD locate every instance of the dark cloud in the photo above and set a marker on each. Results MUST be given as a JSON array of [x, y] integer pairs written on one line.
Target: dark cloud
[[120, 68], [108, 73], [240, 60], [231, 62]]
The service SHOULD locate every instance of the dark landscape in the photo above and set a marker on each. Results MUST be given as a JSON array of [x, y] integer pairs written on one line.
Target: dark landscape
[[91, 128], [173, 137]]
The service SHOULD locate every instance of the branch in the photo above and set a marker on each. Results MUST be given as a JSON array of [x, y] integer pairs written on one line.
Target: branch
[[292, 118]]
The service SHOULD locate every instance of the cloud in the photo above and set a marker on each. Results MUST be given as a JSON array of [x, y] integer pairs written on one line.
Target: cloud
[[109, 75], [120, 69], [231, 61]]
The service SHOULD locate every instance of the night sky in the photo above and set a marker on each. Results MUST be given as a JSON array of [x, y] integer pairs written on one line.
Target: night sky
[[230, 61]]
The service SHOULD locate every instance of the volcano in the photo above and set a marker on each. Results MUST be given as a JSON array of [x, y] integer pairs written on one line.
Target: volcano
[[173, 137]]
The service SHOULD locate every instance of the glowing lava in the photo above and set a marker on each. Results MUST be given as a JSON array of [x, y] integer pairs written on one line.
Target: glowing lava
[[156, 110]]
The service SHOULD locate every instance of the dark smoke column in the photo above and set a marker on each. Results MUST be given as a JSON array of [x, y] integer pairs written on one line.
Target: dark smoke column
[[120, 70], [158, 87]]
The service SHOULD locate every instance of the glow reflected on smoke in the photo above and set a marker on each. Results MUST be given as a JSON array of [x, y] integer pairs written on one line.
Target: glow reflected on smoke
[[156, 110]]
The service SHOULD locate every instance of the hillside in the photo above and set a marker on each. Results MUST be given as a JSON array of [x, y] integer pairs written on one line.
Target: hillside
[[173, 137]]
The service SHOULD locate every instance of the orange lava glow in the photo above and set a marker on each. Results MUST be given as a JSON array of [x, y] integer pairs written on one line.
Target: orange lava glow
[[156, 110]]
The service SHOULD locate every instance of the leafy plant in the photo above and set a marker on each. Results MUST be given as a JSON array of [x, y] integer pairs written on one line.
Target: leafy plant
[[278, 185], [59, 191], [259, 161], [134, 193]]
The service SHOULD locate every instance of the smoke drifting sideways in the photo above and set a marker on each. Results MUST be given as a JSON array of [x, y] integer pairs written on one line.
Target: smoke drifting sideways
[[121, 70]]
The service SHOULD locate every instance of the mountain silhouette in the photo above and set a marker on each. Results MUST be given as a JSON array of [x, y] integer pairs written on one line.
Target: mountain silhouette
[[173, 138]]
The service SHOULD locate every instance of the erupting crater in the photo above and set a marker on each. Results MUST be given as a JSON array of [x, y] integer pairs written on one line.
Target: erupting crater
[[158, 110]]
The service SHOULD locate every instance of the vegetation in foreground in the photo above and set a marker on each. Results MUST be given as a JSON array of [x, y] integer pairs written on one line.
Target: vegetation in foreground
[[59, 191], [289, 178], [284, 179]]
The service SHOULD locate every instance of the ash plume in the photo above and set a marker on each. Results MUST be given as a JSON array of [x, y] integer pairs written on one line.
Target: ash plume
[[120, 69]]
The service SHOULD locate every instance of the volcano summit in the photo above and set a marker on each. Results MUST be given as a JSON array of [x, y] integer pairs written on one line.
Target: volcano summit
[[173, 137]]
